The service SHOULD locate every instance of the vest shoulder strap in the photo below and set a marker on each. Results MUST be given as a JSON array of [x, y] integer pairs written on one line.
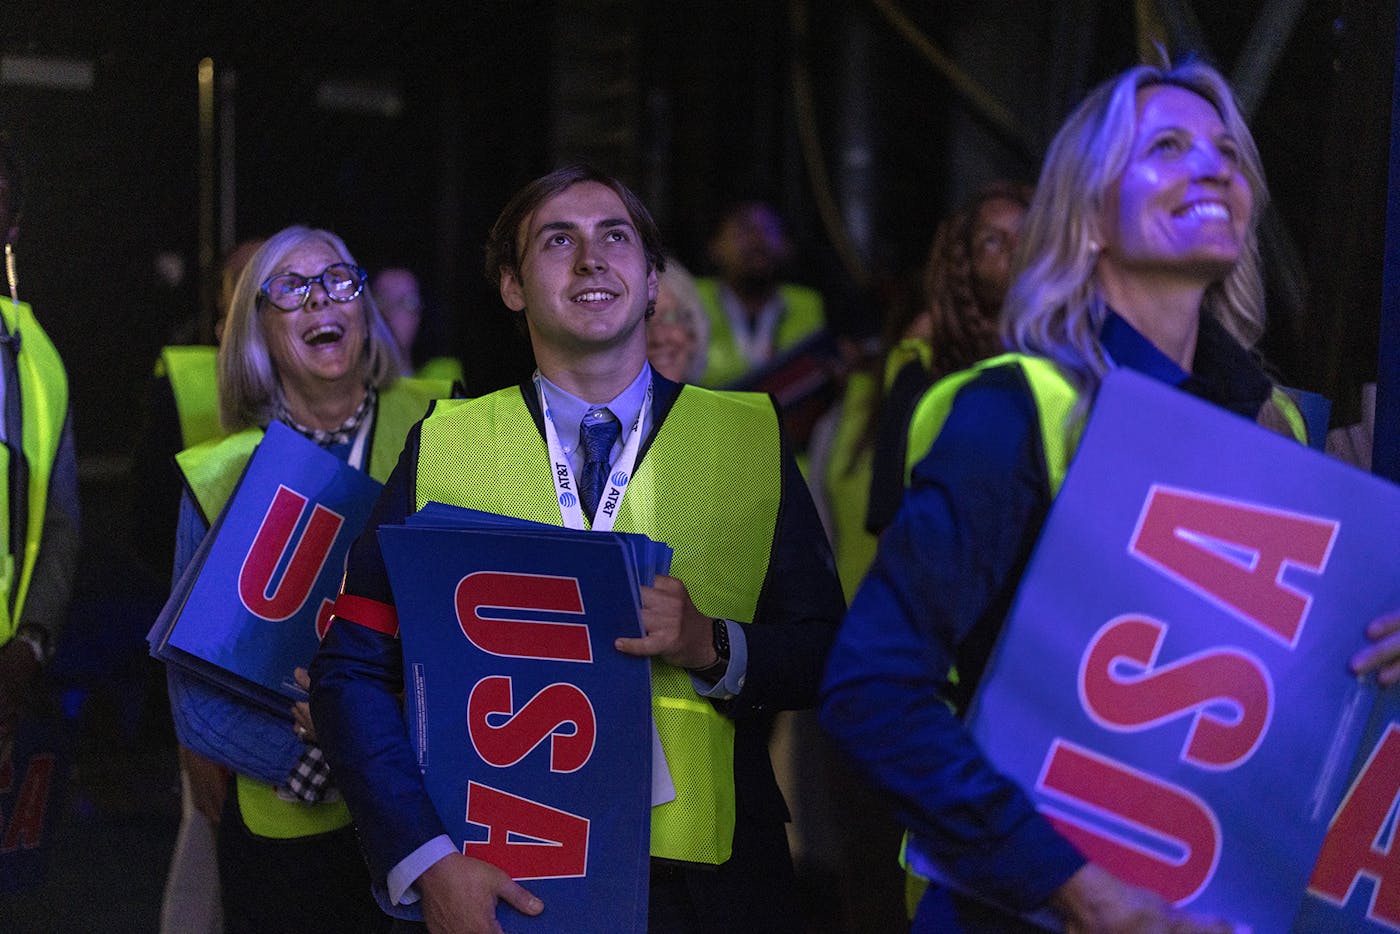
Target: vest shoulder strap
[[1054, 397], [211, 470]]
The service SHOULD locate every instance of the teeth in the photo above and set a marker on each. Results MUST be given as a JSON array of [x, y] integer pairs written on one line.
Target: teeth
[[323, 334], [1208, 210], [597, 296]]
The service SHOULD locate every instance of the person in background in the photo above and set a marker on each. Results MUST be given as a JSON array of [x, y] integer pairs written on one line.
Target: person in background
[[753, 314], [1139, 250], [957, 323], [40, 476], [738, 630], [401, 301], [678, 334], [303, 344]]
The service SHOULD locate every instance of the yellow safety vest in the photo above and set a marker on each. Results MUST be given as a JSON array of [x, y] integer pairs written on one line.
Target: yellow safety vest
[[193, 372], [488, 454], [212, 471], [43, 389], [802, 316], [847, 484]]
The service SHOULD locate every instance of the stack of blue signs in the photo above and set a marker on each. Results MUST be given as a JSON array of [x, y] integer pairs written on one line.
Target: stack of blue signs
[[533, 732], [252, 604]]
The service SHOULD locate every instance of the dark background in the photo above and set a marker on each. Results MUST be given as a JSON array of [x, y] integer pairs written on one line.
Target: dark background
[[694, 104]]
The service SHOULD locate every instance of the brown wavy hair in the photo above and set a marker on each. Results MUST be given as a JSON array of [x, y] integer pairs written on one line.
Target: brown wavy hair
[[964, 329]]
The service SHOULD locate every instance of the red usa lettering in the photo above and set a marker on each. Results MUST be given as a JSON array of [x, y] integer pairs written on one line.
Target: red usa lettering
[[1361, 841], [1145, 831], [514, 637], [1234, 554], [303, 566], [1226, 692], [546, 715], [526, 839]]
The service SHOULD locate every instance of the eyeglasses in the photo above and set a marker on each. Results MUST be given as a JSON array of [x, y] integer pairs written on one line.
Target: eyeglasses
[[342, 282]]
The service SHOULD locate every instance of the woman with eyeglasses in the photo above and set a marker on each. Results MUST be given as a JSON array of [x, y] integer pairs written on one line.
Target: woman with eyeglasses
[[304, 344]]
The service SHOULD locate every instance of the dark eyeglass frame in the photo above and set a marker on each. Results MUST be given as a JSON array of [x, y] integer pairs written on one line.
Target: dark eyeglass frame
[[319, 279]]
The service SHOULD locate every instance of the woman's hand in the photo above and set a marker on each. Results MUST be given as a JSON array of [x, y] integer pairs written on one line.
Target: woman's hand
[[301, 710], [1382, 656], [1094, 901]]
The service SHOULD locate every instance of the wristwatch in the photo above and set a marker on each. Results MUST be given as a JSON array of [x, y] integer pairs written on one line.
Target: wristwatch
[[714, 671]]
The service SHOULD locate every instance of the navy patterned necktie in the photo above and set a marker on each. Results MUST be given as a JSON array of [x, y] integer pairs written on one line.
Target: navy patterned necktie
[[599, 430]]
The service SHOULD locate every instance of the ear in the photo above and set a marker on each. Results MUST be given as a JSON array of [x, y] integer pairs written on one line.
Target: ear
[[512, 291], [653, 285]]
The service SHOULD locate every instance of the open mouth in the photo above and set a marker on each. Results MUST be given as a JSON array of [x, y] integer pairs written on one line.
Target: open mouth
[[594, 295], [323, 334], [1205, 211]]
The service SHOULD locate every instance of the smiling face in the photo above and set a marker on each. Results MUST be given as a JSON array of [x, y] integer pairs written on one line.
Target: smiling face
[[1182, 207], [319, 349], [583, 281]]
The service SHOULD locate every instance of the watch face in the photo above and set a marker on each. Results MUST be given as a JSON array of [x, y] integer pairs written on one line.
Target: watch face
[[721, 637]]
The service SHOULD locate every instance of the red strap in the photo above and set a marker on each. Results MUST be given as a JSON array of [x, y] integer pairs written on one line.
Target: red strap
[[381, 617]]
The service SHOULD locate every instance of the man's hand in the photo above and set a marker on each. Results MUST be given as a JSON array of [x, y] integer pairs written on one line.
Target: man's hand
[[208, 783], [1383, 654], [1095, 902], [459, 896], [18, 667], [675, 630]]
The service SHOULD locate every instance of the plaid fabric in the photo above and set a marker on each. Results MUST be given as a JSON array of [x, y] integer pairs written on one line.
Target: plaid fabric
[[310, 781]]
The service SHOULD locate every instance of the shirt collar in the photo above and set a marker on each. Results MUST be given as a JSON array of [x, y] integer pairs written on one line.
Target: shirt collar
[[568, 409], [1222, 371]]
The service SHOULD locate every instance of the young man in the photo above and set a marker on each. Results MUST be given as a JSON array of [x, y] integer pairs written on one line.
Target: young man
[[745, 622]]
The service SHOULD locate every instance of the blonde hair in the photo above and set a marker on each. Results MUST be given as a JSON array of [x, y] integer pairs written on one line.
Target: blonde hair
[[688, 312], [1053, 308], [249, 387]]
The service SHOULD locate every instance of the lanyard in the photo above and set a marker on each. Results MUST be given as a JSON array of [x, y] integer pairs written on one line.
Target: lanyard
[[565, 487]]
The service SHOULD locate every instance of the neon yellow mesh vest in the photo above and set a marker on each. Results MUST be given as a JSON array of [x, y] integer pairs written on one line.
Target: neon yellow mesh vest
[[193, 372], [847, 484], [212, 471], [43, 387], [802, 316], [487, 454], [1055, 398]]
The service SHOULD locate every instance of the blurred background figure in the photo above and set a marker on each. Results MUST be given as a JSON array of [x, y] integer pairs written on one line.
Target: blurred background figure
[[678, 333], [944, 316], [400, 300], [39, 497], [965, 279], [41, 477], [181, 410], [754, 316]]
